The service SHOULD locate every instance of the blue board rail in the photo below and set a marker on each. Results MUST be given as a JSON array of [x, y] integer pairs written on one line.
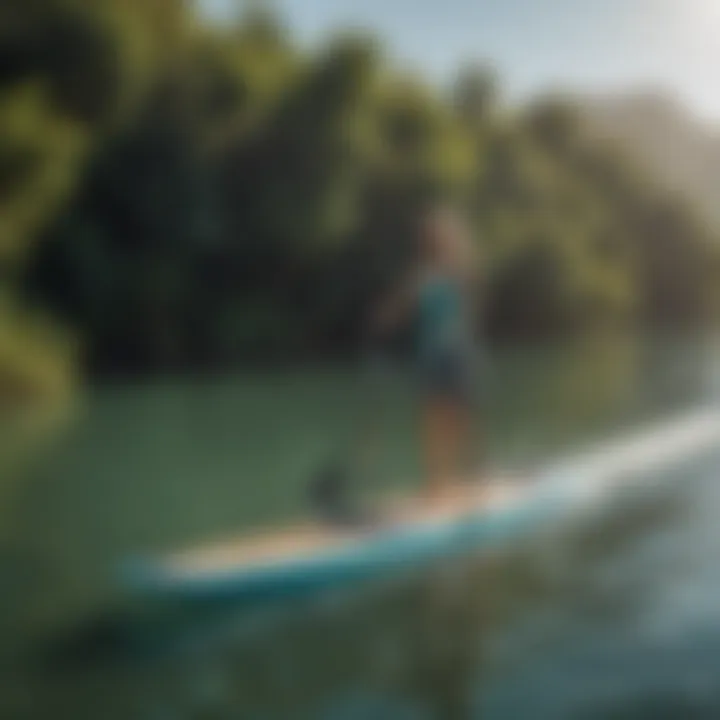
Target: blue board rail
[[582, 481]]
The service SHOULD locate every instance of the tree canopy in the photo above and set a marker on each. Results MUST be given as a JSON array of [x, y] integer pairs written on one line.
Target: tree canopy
[[187, 195]]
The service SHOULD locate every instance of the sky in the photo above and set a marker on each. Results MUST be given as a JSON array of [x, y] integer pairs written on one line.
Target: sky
[[587, 45]]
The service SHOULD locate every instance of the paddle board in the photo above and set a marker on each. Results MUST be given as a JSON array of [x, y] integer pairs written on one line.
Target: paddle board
[[311, 558]]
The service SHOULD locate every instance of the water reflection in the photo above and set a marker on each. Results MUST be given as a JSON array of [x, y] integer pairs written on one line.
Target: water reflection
[[436, 646]]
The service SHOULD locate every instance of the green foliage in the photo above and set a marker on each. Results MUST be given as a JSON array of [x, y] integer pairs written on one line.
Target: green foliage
[[70, 72], [37, 365], [188, 195], [476, 95], [39, 158]]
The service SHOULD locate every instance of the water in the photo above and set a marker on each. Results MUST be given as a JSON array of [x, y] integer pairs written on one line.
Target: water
[[617, 619]]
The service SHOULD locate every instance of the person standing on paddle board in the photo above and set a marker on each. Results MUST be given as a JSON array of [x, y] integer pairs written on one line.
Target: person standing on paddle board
[[440, 292]]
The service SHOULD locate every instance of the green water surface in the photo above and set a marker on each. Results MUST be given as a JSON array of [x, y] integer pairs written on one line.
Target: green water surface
[[160, 464]]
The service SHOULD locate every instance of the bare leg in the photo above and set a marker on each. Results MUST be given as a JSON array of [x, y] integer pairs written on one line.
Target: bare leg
[[466, 451], [474, 455], [445, 437]]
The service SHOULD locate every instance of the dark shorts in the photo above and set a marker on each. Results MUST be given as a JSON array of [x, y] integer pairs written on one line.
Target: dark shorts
[[449, 376]]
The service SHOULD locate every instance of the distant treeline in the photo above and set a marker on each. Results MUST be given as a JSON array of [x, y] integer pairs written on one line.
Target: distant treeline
[[186, 195]]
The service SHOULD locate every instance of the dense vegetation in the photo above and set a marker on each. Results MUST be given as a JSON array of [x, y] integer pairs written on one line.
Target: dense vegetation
[[185, 195]]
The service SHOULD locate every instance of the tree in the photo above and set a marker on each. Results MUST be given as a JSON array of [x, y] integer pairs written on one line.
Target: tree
[[476, 94]]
